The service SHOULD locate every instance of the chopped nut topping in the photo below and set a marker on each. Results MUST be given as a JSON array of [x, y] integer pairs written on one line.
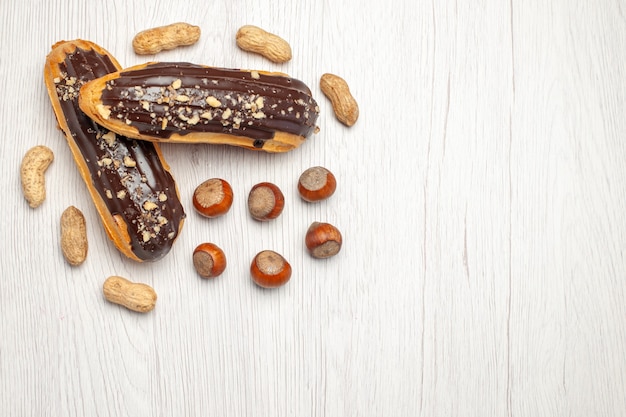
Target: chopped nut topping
[[213, 102], [129, 162], [255, 75], [104, 111], [121, 194], [176, 84], [109, 138], [194, 119], [149, 206]]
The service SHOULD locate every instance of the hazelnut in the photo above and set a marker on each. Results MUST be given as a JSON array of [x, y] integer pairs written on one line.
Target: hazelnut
[[316, 184], [213, 197], [265, 201], [323, 240], [270, 270], [209, 260]]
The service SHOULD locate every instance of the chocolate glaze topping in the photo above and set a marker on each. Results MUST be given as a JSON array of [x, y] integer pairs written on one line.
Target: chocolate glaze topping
[[165, 98], [127, 174]]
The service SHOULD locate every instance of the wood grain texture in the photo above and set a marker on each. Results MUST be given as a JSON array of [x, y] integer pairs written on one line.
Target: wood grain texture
[[480, 196]]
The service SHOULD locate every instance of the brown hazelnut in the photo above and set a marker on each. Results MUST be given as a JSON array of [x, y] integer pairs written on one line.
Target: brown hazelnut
[[213, 197], [209, 260], [323, 240], [265, 201], [316, 184], [270, 270]]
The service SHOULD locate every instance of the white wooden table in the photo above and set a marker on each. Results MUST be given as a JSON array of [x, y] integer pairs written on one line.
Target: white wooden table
[[481, 196]]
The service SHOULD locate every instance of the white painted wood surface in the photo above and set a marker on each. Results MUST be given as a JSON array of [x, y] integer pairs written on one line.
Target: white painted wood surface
[[481, 196]]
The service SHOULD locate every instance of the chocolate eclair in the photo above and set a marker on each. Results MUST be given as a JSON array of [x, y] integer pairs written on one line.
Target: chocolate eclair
[[128, 180], [183, 102]]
